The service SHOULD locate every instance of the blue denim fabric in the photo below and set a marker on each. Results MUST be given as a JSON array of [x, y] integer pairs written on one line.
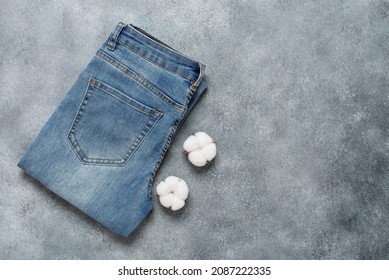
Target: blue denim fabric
[[103, 144]]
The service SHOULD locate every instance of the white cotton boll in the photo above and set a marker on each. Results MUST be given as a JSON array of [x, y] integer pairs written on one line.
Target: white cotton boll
[[163, 188], [172, 181], [172, 192], [191, 144], [197, 158], [167, 200], [203, 151], [203, 139], [209, 151], [182, 190], [177, 203]]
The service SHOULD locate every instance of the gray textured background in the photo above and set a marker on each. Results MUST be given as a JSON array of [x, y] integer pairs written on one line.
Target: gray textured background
[[298, 102]]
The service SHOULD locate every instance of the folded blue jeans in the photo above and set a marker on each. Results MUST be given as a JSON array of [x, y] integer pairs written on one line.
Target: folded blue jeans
[[103, 144]]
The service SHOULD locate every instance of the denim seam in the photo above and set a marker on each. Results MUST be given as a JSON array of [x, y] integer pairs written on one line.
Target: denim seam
[[158, 42], [114, 36], [74, 119], [120, 163], [130, 102], [102, 161], [154, 62], [165, 148], [140, 80]]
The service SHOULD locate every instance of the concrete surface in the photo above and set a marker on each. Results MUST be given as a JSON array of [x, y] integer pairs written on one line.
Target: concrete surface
[[297, 102]]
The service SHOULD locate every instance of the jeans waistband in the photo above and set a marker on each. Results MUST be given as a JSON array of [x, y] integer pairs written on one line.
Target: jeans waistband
[[157, 52]]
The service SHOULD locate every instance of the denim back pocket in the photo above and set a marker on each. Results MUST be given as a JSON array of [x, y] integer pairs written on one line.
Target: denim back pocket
[[109, 125]]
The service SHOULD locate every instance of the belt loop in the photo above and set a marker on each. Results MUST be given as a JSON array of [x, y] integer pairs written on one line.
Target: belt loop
[[193, 88], [114, 36]]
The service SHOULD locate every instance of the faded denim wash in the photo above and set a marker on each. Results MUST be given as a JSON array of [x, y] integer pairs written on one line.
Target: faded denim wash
[[103, 144]]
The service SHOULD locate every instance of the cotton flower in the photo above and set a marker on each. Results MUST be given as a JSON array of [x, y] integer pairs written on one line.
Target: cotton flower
[[200, 148], [172, 192]]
